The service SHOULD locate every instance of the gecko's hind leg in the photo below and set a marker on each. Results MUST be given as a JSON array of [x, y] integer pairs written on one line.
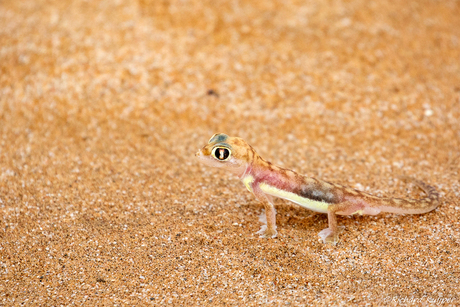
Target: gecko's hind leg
[[330, 235]]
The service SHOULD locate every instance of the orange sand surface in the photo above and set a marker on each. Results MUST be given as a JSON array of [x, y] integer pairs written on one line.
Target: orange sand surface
[[103, 105]]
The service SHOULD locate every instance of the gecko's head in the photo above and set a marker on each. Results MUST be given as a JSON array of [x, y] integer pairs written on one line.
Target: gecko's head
[[230, 153]]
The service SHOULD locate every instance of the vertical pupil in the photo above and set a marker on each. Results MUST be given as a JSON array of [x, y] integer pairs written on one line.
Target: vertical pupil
[[222, 154]]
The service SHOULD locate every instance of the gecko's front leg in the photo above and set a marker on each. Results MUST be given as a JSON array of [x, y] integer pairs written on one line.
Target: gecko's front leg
[[269, 229]]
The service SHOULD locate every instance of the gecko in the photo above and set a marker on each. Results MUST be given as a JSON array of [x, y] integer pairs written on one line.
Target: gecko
[[266, 181]]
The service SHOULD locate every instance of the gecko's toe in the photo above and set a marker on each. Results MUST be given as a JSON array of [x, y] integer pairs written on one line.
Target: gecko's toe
[[273, 234], [267, 233], [261, 232], [328, 236], [323, 234]]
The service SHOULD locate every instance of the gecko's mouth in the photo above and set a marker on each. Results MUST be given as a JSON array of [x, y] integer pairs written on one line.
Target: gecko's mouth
[[201, 157], [207, 160]]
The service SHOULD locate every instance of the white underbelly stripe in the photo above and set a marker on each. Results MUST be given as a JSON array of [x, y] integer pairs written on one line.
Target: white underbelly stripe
[[314, 205]]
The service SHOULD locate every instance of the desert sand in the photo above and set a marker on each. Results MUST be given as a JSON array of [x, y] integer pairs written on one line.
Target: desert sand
[[103, 105]]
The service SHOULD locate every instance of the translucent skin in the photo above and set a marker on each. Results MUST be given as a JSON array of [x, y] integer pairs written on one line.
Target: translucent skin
[[265, 180]]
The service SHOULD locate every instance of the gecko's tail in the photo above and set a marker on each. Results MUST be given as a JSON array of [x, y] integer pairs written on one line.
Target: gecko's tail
[[414, 206]]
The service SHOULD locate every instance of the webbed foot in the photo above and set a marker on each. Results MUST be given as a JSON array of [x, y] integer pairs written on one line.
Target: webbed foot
[[265, 232], [328, 236]]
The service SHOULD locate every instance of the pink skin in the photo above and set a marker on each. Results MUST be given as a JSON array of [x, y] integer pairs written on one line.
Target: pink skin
[[236, 156]]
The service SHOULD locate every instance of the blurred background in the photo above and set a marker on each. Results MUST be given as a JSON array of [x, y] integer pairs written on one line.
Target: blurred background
[[103, 105]]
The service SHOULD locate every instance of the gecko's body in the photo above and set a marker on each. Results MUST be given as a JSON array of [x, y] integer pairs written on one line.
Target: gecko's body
[[265, 180]]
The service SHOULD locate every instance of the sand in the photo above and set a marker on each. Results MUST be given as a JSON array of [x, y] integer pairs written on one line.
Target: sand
[[103, 105]]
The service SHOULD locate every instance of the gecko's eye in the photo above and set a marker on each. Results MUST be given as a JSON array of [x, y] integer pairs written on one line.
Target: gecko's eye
[[221, 153]]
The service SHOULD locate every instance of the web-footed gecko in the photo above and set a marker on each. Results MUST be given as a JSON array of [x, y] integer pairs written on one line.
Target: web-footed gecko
[[265, 180]]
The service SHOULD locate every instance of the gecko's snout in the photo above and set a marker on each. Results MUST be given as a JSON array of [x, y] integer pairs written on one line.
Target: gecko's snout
[[198, 153]]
